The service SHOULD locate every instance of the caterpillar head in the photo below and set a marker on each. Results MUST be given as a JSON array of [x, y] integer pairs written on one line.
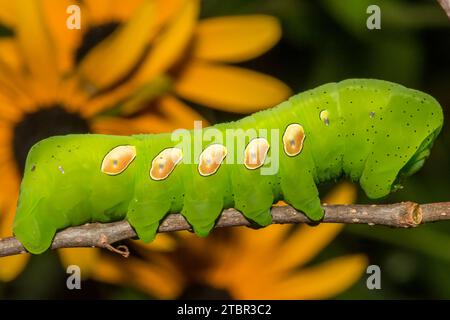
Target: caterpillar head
[[417, 161], [412, 122]]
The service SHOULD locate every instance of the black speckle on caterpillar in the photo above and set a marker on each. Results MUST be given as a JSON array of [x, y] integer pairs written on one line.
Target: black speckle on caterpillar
[[374, 132]]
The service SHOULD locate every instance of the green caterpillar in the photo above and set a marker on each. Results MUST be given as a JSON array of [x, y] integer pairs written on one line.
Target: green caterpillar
[[371, 131]]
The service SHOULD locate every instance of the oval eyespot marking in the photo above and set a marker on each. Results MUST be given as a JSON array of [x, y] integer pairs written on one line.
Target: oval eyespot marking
[[118, 159], [293, 138], [211, 158], [324, 117], [255, 153], [165, 162]]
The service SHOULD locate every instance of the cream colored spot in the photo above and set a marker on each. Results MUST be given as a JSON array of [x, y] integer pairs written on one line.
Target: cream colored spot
[[255, 153], [293, 138], [164, 163], [118, 159], [211, 158], [324, 117]]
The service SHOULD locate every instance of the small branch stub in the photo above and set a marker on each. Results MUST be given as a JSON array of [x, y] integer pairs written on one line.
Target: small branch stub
[[103, 235], [122, 250]]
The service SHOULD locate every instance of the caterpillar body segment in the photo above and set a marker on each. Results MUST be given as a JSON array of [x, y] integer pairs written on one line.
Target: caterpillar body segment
[[371, 131]]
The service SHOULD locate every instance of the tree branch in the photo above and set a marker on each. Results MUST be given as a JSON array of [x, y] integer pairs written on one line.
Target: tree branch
[[445, 4], [400, 215]]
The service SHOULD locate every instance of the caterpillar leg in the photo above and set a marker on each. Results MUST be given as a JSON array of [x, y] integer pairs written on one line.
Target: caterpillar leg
[[255, 205], [253, 195], [204, 199], [301, 193], [145, 216], [202, 213]]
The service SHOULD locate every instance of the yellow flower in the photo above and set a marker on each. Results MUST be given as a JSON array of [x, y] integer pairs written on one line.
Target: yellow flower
[[241, 263], [122, 73]]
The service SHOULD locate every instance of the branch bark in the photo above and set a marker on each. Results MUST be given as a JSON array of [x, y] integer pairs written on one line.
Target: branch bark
[[399, 215], [445, 4]]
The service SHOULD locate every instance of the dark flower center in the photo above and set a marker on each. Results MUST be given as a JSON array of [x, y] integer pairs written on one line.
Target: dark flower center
[[42, 124], [93, 37]]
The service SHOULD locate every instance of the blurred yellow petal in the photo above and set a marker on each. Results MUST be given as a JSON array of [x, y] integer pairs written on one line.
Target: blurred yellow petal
[[69, 95], [229, 88], [321, 281], [9, 53], [170, 45], [115, 57], [10, 184], [235, 39], [6, 133], [10, 267], [257, 245], [180, 114], [162, 243], [7, 13], [344, 193], [168, 8], [304, 244], [108, 99], [154, 280], [14, 87], [9, 110], [85, 258], [111, 125], [122, 10], [247, 250], [8, 208], [99, 11], [106, 11], [190, 240], [279, 257], [169, 114], [143, 124], [65, 40], [36, 46], [166, 49], [149, 91]]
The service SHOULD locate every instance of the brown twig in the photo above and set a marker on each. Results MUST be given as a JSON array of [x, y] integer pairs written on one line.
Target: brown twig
[[445, 4], [400, 215]]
